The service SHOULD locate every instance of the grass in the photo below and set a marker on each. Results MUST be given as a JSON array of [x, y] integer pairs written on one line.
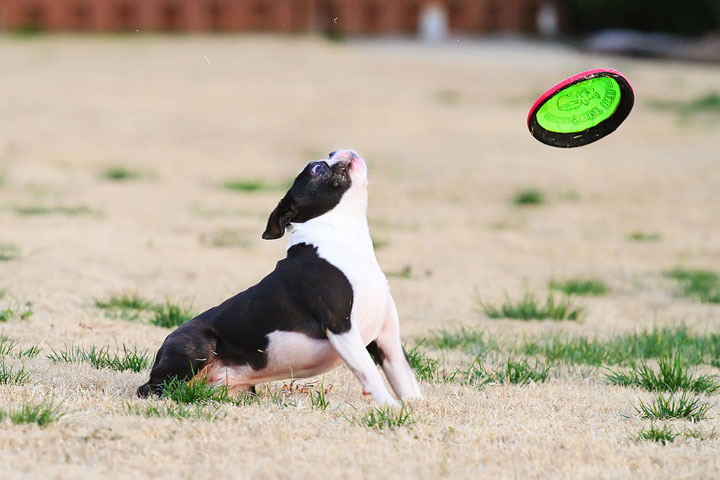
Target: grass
[[405, 272], [448, 96], [705, 104], [30, 352], [6, 345], [16, 312], [663, 434], [318, 397], [699, 434], [129, 301], [10, 376], [529, 196], [175, 410], [196, 392], [530, 308], [425, 367], [511, 372], [36, 210], [625, 349], [169, 315], [673, 375], [471, 340], [703, 285], [671, 407], [119, 173], [129, 306], [42, 413], [130, 359], [644, 237], [386, 417], [378, 243], [9, 252], [253, 185], [580, 286], [225, 237]]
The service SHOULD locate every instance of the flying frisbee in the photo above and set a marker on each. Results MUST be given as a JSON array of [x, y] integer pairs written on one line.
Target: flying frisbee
[[581, 109]]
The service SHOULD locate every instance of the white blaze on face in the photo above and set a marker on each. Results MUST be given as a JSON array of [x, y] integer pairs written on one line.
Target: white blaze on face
[[355, 199]]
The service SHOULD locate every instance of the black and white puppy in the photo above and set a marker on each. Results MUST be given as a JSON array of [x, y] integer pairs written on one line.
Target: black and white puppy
[[327, 302]]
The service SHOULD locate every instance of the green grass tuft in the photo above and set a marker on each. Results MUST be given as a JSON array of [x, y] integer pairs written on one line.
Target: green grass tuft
[[225, 237], [387, 417], [16, 312], [194, 391], [673, 375], [30, 352], [448, 96], [378, 243], [511, 372], [580, 286], [128, 301], [701, 284], [318, 397], [530, 308], [130, 359], [644, 237], [170, 315], [119, 173], [10, 376], [662, 434], [405, 272], [6, 345], [471, 340], [42, 413], [131, 306], [529, 196], [708, 104], [699, 434], [36, 210], [625, 349], [425, 367], [175, 410], [684, 407], [249, 186], [9, 252]]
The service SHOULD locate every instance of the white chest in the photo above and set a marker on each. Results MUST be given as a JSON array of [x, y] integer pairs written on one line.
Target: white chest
[[350, 250]]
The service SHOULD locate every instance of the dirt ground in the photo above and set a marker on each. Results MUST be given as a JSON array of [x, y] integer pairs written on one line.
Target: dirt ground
[[443, 130]]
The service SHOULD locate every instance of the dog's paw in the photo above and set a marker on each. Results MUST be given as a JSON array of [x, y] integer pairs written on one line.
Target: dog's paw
[[386, 400]]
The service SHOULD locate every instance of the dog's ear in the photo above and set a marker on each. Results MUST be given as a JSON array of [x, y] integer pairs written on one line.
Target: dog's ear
[[283, 214]]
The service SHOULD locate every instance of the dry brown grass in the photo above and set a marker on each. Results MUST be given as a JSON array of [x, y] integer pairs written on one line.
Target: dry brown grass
[[442, 175]]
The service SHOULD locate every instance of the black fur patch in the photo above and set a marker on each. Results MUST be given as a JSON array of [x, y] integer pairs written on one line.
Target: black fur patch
[[317, 190], [304, 294]]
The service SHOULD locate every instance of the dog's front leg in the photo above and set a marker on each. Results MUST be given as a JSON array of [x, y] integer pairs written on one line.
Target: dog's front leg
[[391, 356], [351, 349]]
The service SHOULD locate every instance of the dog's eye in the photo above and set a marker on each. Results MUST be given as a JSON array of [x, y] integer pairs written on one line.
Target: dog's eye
[[319, 169]]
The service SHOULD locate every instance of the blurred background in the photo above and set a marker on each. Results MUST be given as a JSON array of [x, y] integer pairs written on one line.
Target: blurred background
[[144, 142], [664, 28]]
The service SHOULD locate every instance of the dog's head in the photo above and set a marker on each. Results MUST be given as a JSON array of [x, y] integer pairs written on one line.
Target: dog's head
[[333, 185]]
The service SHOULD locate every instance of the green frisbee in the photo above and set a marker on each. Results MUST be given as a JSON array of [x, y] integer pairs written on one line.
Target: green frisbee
[[581, 109]]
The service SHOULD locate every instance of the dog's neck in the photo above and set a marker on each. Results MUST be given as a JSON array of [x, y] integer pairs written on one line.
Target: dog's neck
[[345, 224]]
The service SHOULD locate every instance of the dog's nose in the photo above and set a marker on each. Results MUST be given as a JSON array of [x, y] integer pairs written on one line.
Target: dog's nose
[[332, 153]]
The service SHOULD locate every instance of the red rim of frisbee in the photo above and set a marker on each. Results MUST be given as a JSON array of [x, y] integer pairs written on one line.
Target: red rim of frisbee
[[592, 134]]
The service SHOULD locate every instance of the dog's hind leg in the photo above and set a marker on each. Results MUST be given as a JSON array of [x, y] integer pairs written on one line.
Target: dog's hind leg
[[388, 352]]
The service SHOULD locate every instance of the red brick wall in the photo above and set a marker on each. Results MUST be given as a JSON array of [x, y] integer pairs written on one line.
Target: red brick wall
[[353, 16]]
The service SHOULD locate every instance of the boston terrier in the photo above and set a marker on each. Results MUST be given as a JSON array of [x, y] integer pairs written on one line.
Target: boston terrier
[[326, 303]]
